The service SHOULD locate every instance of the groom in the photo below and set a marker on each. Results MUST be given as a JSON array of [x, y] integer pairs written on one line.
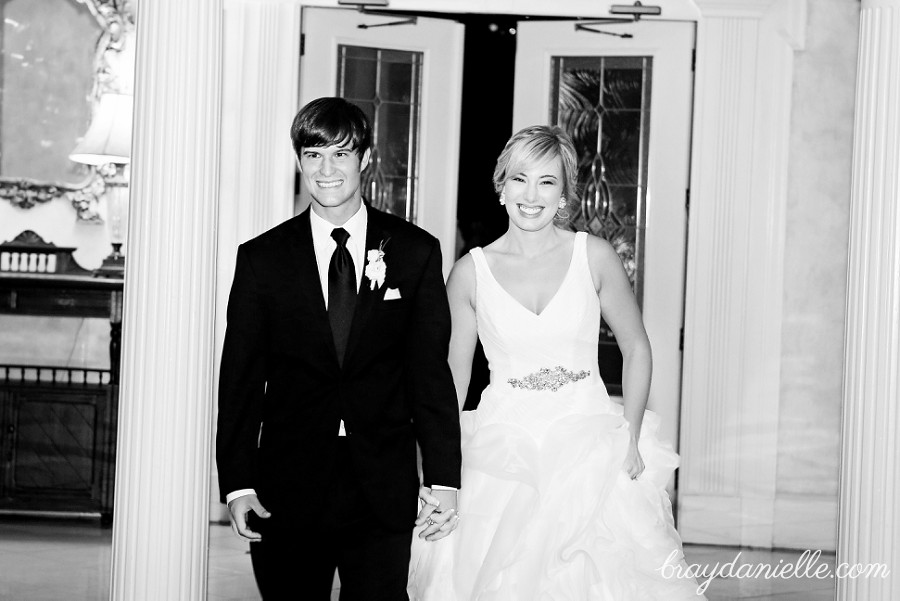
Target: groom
[[334, 366]]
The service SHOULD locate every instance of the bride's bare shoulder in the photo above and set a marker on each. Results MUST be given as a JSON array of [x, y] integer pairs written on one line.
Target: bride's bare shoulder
[[600, 250], [462, 275], [602, 258], [464, 263]]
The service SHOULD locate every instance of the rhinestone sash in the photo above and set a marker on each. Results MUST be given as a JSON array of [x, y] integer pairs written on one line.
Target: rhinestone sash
[[548, 379]]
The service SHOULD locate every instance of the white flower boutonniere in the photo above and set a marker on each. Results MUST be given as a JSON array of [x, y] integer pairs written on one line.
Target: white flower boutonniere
[[376, 270]]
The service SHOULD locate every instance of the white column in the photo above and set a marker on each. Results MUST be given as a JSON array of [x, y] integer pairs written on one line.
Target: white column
[[869, 524], [733, 303], [262, 51], [160, 528]]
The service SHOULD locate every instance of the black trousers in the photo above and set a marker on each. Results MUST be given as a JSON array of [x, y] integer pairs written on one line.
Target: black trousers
[[298, 555]]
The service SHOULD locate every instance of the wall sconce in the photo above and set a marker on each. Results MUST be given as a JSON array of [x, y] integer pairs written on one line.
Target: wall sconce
[[107, 146]]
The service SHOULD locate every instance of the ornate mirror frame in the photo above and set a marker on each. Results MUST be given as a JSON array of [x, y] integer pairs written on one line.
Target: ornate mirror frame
[[113, 72]]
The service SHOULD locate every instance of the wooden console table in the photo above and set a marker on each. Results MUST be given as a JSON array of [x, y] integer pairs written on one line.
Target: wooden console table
[[58, 424]]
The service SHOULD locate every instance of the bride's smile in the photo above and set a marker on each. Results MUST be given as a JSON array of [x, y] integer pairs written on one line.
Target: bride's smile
[[530, 211]]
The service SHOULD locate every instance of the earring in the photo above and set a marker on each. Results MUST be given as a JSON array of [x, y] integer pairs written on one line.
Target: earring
[[561, 213], [502, 198]]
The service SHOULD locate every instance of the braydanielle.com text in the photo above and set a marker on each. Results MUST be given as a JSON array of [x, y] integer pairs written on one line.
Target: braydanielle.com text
[[806, 566]]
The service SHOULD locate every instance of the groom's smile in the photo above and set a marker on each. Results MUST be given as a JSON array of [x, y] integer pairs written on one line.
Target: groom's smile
[[331, 184]]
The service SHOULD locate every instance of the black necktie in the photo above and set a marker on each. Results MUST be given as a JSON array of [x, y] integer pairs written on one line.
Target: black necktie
[[341, 291]]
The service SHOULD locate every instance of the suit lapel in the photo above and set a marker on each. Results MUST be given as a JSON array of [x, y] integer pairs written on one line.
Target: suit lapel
[[367, 298], [303, 258]]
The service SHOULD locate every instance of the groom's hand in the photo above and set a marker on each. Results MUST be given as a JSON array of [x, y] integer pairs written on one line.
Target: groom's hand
[[239, 509], [439, 513]]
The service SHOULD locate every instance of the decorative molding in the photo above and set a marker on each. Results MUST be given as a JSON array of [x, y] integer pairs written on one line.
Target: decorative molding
[[113, 72], [29, 253], [115, 16], [28, 239], [114, 54], [85, 199], [26, 193]]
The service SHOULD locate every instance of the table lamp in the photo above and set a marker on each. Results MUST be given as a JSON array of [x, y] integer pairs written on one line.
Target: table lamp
[[107, 146]]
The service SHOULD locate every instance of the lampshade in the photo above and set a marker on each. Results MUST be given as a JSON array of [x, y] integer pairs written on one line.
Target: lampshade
[[108, 139]]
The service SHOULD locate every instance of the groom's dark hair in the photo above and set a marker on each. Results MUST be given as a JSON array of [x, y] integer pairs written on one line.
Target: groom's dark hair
[[331, 121]]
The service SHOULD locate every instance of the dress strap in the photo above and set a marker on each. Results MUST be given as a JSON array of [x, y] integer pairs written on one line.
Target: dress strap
[[579, 253], [581, 240], [581, 265], [481, 266]]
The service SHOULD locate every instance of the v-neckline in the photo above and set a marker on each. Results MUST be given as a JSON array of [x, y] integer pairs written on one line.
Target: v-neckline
[[552, 298]]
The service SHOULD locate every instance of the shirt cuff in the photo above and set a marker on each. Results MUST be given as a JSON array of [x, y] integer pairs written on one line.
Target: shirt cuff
[[237, 494], [439, 487]]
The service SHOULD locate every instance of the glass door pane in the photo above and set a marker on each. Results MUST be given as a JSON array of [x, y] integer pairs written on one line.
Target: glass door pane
[[386, 85], [603, 102]]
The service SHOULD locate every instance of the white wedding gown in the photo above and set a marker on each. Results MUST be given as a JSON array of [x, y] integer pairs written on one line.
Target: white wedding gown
[[546, 511]]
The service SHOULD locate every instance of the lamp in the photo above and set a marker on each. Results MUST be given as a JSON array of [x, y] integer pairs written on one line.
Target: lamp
[[107, 145]]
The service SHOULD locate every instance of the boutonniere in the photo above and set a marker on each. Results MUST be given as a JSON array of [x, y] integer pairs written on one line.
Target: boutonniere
[[376, 270]]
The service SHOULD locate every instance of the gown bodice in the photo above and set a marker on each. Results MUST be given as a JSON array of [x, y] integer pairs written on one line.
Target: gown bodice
[[557, 346]]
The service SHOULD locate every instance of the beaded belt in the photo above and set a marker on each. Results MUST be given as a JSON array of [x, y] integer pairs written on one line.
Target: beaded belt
[[548, 379]]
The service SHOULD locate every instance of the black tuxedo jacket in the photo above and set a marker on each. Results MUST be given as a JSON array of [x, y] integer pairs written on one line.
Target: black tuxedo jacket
[[282, 393]]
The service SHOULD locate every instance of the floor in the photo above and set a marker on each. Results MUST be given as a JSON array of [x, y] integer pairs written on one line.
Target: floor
[[66, 560]]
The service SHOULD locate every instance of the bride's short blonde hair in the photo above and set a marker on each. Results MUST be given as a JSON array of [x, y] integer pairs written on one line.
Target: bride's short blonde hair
[[536, 144]]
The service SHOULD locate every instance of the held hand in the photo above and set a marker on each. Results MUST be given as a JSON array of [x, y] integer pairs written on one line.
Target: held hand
[[439, 513], [634, 463], [239, 508], [429, 504]]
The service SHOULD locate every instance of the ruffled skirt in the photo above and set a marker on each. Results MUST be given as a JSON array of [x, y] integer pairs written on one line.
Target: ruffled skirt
[[547, 512]]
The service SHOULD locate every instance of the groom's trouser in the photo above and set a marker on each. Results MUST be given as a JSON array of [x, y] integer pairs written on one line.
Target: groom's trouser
[[298, 554]]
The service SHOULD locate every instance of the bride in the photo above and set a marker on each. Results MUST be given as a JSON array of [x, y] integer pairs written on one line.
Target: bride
[[563, 490]]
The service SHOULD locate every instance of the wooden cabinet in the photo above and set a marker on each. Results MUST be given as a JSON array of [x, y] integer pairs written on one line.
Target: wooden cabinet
[[58, 423], [58, 447]]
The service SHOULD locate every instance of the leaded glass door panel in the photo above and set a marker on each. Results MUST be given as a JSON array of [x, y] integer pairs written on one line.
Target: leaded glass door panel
[[626, 103], [406, 76]]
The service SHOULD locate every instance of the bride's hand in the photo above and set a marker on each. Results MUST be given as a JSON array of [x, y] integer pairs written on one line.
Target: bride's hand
[[634, 463]]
